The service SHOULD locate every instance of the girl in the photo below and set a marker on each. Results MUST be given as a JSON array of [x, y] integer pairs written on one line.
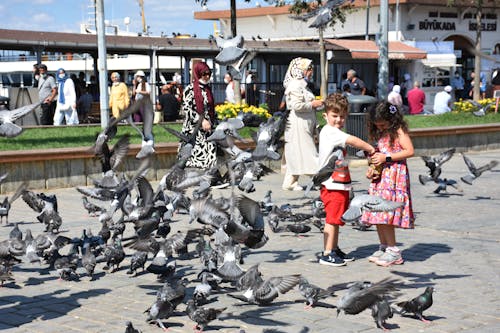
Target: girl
[[387, 126]]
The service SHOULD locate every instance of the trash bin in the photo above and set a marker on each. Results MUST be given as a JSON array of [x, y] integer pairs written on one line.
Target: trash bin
[[356, 121], [4, 101]]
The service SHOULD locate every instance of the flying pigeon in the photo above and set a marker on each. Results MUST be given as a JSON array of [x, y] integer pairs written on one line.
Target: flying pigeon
[[231, 50], [368, 202], [264, 293], [7, 202], [434, 163], [323, 14], [363, 295], [7, 117], [418, 304], [475, 172]]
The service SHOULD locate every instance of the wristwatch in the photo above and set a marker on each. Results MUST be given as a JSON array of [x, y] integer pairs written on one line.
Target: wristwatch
[[388, 159]]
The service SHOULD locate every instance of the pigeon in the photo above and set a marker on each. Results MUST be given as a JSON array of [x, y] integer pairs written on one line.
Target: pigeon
[[251, 277], [443, 183], [475, 172], [298, 228], [231, 50], [91, 208], [266, 204], [265, 292], [368, 202], [229, 270], [434, 163], [7, 117], [202, 291], [381, 311], [66, 266], [160, 309], [7, 202], [323, 14], [5, 273], [30, 248], [111, 159], [201, 315], [363, 295], [16, 233], [137, 261], [46, 205], [325, 172], [174, 292], [312, 293], [113, 255], [418, 304], [130, 328], [88, 260], [268, 138]]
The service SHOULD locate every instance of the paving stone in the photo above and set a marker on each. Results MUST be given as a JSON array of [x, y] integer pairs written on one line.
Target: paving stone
[[454, 248]]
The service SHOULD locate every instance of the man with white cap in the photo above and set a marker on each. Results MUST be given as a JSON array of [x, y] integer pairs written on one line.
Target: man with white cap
[[442, 101]]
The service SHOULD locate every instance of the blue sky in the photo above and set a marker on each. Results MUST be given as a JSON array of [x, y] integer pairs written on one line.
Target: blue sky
[[66, 15]]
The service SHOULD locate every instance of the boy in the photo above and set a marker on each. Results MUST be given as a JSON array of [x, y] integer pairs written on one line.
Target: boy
[[334, 191]]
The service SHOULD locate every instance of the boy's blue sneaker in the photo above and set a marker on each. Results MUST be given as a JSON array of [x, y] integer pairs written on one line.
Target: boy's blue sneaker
[[332, 260], [341, 254]]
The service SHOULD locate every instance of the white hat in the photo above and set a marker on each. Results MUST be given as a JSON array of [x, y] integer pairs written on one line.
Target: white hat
[[448, 89], [139, 73]]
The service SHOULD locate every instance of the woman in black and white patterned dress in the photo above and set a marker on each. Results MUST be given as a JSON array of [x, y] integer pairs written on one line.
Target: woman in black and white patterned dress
[[198, 102]]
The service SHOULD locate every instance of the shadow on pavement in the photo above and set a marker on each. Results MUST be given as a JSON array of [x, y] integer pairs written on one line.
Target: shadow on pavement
[[423, 251], [281, 256], [55, 306]]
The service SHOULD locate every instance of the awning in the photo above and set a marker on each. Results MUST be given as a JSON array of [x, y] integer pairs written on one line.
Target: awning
[[440, 60], [367, 49]]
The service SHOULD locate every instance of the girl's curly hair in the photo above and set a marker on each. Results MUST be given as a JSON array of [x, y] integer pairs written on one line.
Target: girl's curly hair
[[385, 111]]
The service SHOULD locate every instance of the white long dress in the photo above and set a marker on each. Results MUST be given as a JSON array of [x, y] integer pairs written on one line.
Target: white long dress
[[301, 153]]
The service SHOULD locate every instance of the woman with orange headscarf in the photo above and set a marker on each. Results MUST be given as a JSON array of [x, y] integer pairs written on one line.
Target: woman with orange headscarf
[[199, 111]]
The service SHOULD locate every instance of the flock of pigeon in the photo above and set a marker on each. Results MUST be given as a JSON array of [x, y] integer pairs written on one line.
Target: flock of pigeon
[[136, 222], [435, 163]]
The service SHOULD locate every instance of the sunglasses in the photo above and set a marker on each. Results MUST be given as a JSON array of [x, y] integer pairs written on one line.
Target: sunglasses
[[206, 73]]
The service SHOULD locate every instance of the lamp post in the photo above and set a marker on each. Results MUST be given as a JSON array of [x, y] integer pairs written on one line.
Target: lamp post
[[102, 67], [383, 60]]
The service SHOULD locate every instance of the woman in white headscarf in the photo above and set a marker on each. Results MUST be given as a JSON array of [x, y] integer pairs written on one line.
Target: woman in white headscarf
[[301, 154]]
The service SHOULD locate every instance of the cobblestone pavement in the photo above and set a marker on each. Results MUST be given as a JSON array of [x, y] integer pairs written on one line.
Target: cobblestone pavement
[[454, 247]]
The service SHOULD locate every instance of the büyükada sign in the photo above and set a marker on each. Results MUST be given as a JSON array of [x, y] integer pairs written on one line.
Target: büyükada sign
[[436, 25]]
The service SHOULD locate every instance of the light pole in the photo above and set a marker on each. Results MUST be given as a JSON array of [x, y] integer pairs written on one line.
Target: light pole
[[383, 46], [102, 66]]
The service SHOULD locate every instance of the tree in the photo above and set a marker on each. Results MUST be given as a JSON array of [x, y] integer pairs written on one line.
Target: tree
[[326, 13]]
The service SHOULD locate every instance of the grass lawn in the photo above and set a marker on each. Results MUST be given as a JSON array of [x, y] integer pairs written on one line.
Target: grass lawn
[[84, 136]]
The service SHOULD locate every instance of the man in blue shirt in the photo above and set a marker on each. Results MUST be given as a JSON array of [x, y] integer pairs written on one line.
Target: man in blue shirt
[[458, 84]]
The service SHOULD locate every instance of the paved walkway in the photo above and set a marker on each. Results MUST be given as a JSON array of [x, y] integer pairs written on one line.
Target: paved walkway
[[454, 247]]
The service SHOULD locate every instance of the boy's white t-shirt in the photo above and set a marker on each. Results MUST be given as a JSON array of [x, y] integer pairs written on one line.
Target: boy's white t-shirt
[[330, 138]]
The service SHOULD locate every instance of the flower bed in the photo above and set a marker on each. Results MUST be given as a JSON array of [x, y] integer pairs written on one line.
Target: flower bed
[[231, 110], [469, 106]]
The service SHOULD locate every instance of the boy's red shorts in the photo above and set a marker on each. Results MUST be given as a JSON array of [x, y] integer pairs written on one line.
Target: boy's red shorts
[[336, 203]]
